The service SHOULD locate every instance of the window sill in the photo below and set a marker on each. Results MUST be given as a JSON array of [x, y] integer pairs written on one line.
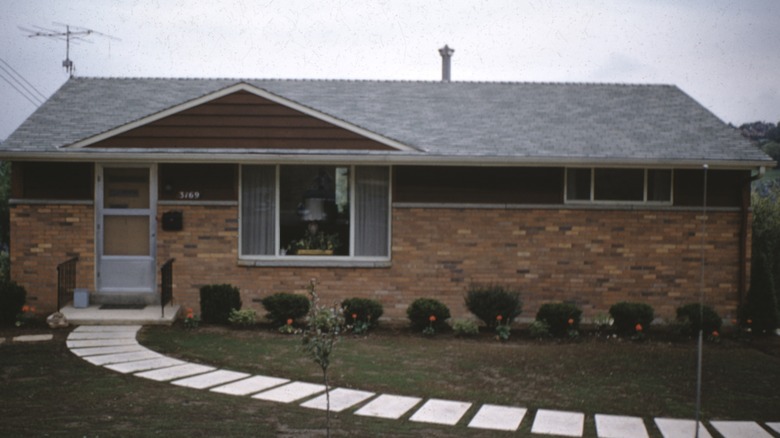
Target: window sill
[[315, 262]]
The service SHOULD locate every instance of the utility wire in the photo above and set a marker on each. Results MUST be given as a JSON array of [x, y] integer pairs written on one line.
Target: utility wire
[[26, 96], [43, 96]]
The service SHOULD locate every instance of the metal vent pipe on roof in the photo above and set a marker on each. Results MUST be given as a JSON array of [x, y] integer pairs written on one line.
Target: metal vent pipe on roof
[[446, 54]]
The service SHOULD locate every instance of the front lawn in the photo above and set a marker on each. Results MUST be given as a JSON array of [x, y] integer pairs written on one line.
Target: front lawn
[[46, 390]]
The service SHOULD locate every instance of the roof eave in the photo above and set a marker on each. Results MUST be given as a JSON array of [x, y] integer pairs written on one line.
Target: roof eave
[[246, 157]]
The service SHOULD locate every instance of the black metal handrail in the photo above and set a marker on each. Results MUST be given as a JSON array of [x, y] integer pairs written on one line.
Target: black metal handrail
[[66, 281], [166, 287]]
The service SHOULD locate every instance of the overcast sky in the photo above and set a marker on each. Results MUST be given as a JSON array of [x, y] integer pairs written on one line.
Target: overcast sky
[[722, 53]]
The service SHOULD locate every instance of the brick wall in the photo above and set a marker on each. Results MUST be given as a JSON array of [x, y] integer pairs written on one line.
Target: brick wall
[[592, 257], [45, 235]]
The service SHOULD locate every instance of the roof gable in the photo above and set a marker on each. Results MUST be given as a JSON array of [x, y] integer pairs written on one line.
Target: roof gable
[[240, 117]]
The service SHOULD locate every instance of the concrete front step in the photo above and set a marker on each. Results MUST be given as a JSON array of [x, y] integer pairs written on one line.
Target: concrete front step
[[149, 315]]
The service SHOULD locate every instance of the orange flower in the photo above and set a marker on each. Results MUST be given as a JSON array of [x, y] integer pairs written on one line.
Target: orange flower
[[715, 333], [571, 321], [638, 327], [289, 321], [432, 318], [354, 316], [499, 318], [25, 308], [750, 321]]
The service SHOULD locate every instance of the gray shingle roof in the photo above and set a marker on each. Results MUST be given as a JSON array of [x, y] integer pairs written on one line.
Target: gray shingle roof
[[468, 120]]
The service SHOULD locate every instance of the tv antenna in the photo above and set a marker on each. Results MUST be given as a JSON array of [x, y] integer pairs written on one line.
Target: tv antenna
[[72, 34]]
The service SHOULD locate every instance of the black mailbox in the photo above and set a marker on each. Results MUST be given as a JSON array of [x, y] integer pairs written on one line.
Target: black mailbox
[[172, 221]]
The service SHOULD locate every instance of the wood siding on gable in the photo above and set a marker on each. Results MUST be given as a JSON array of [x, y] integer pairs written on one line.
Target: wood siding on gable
[[241, 120]]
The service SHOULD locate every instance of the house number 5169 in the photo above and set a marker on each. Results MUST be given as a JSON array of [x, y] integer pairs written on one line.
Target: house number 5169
[[189, 195]]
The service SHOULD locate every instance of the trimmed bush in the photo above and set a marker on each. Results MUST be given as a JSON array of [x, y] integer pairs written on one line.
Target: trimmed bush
[[216, 302], [368, 311], [12, 298], [627, 315], [689, 314], [282, 306], [420, 311], [558, 316], [539, 329], [242, 318], [465, 328], [487, 302]]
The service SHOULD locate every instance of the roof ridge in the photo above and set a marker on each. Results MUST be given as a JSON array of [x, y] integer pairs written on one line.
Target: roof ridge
[[401, 81]]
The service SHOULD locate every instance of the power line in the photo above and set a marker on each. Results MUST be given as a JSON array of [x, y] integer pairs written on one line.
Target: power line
[[26, 96], [23, 78]]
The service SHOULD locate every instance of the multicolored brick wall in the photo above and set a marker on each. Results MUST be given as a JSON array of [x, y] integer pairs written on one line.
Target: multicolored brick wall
[[591, 257], [45, 235]]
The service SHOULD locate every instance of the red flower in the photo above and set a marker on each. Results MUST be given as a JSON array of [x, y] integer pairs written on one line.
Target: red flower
[[25, 308], [571, 321], [289, 321], [638, 327], [499, 318], [750, 321], [354, 316], [32, 309], [715, 333], [432, 318]]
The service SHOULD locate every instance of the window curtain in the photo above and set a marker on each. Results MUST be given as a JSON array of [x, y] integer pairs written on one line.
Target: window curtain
[[372, 207], [258, 210]]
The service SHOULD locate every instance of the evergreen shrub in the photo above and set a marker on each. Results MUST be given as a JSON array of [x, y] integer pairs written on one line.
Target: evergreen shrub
[[627, 315], [216, 302], [690, 315], [366, 310], [559, 317], [282, 306], [488, 302], [421, 310]]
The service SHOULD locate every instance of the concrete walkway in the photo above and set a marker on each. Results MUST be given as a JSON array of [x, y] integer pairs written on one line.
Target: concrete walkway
[[116, 348]]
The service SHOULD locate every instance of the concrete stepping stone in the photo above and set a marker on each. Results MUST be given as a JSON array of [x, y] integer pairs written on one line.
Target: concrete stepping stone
[[208, 380], [106, 359], [101, 335], [144, 365], [558, 423], [678, 428], [107, 328], [616, 426], [774, 426], [498, 418], [740, 429], [340, 399], [290, 392], [441, 412], [389, 406], [33, 338], [175, 372], [251, 385], [82, 343], [94, 351]]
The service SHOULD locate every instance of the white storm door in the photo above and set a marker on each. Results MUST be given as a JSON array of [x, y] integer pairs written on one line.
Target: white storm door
[[126, 227]]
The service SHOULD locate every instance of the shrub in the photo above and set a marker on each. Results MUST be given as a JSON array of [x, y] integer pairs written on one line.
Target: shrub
[[487, 302], [421, 310], [282, 306], [560, 317], [539, 329], [689, 314], [465, 328], [627, 315], [216, 302], [365, 310], [12, 298], [242, 318]]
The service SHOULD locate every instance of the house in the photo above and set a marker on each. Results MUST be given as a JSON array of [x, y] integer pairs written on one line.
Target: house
[[590, 193]]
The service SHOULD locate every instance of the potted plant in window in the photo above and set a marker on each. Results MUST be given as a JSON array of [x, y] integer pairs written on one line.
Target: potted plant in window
[[314, 242]]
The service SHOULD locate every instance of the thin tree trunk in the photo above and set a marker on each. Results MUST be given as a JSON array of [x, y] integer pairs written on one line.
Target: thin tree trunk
[[327, 402]]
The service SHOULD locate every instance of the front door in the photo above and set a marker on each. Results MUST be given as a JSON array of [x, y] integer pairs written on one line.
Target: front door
[[126, 227]]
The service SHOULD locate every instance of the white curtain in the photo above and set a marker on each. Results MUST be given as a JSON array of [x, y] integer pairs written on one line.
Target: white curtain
[[372, 210], [258, 210]]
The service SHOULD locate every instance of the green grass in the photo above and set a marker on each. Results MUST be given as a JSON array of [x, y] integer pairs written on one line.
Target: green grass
[[46, 390]]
